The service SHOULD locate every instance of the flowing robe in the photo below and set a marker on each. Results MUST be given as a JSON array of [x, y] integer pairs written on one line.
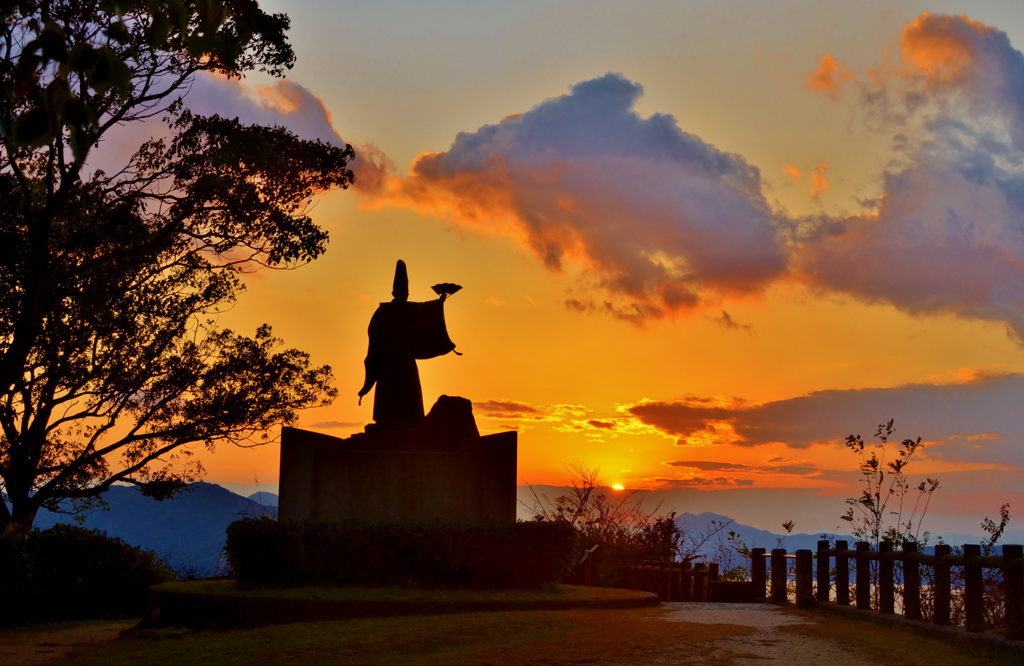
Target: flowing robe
[[401, 332]]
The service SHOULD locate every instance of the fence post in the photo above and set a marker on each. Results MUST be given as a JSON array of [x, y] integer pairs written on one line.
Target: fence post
[[842, 575], [1014, 582], [911, 583], [886, 584], [665, 582], [699, 578], [974, 590], [757, 573], [942, 584], [685, 582], [805, 579], [629, 574], [823, 571], [863, 576], [779, 595]]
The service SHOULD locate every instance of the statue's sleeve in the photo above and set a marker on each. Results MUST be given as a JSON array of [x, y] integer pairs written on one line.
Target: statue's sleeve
[[371, 363], [430, 338]]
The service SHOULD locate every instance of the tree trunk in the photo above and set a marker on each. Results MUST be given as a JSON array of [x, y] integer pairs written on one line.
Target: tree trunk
[[19, 519]]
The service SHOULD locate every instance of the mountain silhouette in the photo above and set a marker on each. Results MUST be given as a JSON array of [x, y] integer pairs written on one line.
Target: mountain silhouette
[[187, 532]]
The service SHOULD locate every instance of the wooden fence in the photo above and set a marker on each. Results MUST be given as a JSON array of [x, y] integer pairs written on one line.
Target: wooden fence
[[1011, 563], [672, 581]]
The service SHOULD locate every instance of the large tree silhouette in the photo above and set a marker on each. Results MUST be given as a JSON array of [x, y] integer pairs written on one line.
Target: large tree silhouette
[[110, 361]]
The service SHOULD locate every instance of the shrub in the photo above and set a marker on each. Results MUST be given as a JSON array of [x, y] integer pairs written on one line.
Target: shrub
[[350, 552], [70, 573], [619, 524]]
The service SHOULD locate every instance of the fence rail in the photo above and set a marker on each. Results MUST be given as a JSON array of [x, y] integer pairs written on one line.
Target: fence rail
[[1011, 563], [672, 581]]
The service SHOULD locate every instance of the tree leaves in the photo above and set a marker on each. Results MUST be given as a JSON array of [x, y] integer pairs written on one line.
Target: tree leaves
[[109, 360], [872, 509], [96, 65]]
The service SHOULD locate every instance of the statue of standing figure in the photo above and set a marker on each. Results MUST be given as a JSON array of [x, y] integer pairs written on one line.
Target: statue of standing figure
[[400, 333]]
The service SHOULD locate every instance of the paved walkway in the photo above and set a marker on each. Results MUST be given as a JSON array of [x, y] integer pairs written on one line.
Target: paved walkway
[[767, 645]]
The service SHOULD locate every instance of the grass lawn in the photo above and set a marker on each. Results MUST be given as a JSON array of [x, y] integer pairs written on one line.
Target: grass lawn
[[891, 645], [521, 637]]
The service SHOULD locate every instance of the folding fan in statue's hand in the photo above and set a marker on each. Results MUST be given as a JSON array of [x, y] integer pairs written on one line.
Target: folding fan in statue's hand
[[446, 289]]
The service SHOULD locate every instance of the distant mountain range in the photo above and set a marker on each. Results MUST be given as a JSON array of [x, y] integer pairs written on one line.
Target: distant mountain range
[[697, 526], [187, 532]]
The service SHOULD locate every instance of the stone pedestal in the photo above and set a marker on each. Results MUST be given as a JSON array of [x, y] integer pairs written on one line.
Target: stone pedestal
[[438, 469]]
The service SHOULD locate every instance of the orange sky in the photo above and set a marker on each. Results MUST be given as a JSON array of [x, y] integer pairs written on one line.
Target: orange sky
[[693, 263]]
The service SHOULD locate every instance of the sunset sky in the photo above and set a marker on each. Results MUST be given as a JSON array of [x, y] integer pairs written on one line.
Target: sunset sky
[[700, 242]]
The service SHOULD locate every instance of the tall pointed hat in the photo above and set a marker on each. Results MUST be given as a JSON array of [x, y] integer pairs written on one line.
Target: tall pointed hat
[[400, 290]]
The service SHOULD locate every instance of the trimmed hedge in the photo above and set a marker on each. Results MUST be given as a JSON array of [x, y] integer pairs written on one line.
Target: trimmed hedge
[[71, 573], [516, 555]]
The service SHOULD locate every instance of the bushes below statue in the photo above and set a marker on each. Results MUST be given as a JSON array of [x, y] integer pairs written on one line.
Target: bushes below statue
[[349, 552]]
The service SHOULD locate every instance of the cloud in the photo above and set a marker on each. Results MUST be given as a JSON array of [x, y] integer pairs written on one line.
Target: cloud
[[708, 466], [611, 427], [801, 470], [946, 236], [290, 105], [726, 321], [561, 418], [948, 50], [702, 482], [330, 425], [517, 415], [685, 417], [830, 77], [515, 410], [656, 220], [819, 183], [712, 466], [793, 172], [507, 408], [977, 420]]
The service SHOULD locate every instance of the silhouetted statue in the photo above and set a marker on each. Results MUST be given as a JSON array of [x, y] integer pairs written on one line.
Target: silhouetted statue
[[401, 332]]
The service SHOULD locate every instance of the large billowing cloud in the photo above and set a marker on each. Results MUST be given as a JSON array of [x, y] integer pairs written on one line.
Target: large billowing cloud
[[658, 220], [283, 104], [290, 105], [948, 233], [972, 420]]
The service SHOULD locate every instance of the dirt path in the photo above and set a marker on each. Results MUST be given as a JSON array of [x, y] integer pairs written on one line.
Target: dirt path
[[767, 644], [42, 645]]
